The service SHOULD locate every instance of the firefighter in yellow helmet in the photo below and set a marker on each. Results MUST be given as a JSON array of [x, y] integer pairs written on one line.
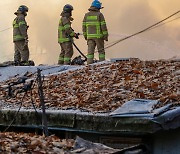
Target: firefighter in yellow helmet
[[95, 31], [20, 36], [65, 35]]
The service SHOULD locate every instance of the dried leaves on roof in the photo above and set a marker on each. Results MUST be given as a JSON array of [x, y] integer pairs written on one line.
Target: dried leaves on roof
[[107, 86]]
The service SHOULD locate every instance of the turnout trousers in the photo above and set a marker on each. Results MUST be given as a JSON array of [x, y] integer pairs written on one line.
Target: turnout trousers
[[92, 43], [66, 53], [21, 51]]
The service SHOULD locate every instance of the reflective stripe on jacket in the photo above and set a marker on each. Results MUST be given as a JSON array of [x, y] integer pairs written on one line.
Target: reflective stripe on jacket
[[94, 25], [19, 28], [65, 31]]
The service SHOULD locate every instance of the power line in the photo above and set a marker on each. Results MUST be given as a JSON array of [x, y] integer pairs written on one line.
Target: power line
[[144, 30], [118, 35], [108, 44], [165, 23], [15, 114], [6, 29]]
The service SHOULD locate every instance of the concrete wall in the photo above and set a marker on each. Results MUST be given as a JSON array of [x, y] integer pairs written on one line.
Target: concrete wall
[[167, 142]]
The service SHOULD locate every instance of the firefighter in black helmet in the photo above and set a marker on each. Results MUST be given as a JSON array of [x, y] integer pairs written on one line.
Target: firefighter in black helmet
[[65, 35], [68, 8], [20, 36]]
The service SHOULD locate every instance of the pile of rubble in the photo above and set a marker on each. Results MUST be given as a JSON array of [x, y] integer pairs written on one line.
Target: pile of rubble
[[31, 143], [105, 87]]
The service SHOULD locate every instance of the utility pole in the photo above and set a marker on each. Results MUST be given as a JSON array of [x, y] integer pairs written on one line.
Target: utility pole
[[41, 97]]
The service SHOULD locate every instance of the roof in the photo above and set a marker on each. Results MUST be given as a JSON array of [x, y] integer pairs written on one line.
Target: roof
[[126, 97], [101, 123], [103, 87]]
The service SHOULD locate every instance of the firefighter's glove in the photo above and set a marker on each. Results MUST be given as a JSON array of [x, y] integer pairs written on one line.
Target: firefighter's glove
[[26, 42], [76, 35], [106, 39], [85, 37]]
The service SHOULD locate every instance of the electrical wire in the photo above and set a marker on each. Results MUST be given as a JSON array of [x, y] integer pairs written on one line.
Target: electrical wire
[[16, 113], [144, 30], [37, 114], [108, 44], [5, 29], [32, 102], [165, 23], [116, 35]]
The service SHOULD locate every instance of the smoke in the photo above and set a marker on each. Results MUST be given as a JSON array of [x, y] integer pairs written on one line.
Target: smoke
[[123, 18]]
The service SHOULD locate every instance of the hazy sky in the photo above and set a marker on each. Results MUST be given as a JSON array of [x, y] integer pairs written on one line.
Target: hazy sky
[[123, 17]]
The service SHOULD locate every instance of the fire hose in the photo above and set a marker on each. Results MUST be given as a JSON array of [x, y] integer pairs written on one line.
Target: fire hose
[[78, 60]]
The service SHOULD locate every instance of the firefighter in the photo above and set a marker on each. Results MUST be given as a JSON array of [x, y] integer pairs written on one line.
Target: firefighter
[[20, 36], [95, 31], [65, 35]]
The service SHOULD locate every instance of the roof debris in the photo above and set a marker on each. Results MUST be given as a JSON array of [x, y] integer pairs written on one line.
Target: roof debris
[[31, 143], [105, 87]]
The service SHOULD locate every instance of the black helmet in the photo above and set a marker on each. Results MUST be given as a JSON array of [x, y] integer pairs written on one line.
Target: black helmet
[[68, 8], [23, 8]]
